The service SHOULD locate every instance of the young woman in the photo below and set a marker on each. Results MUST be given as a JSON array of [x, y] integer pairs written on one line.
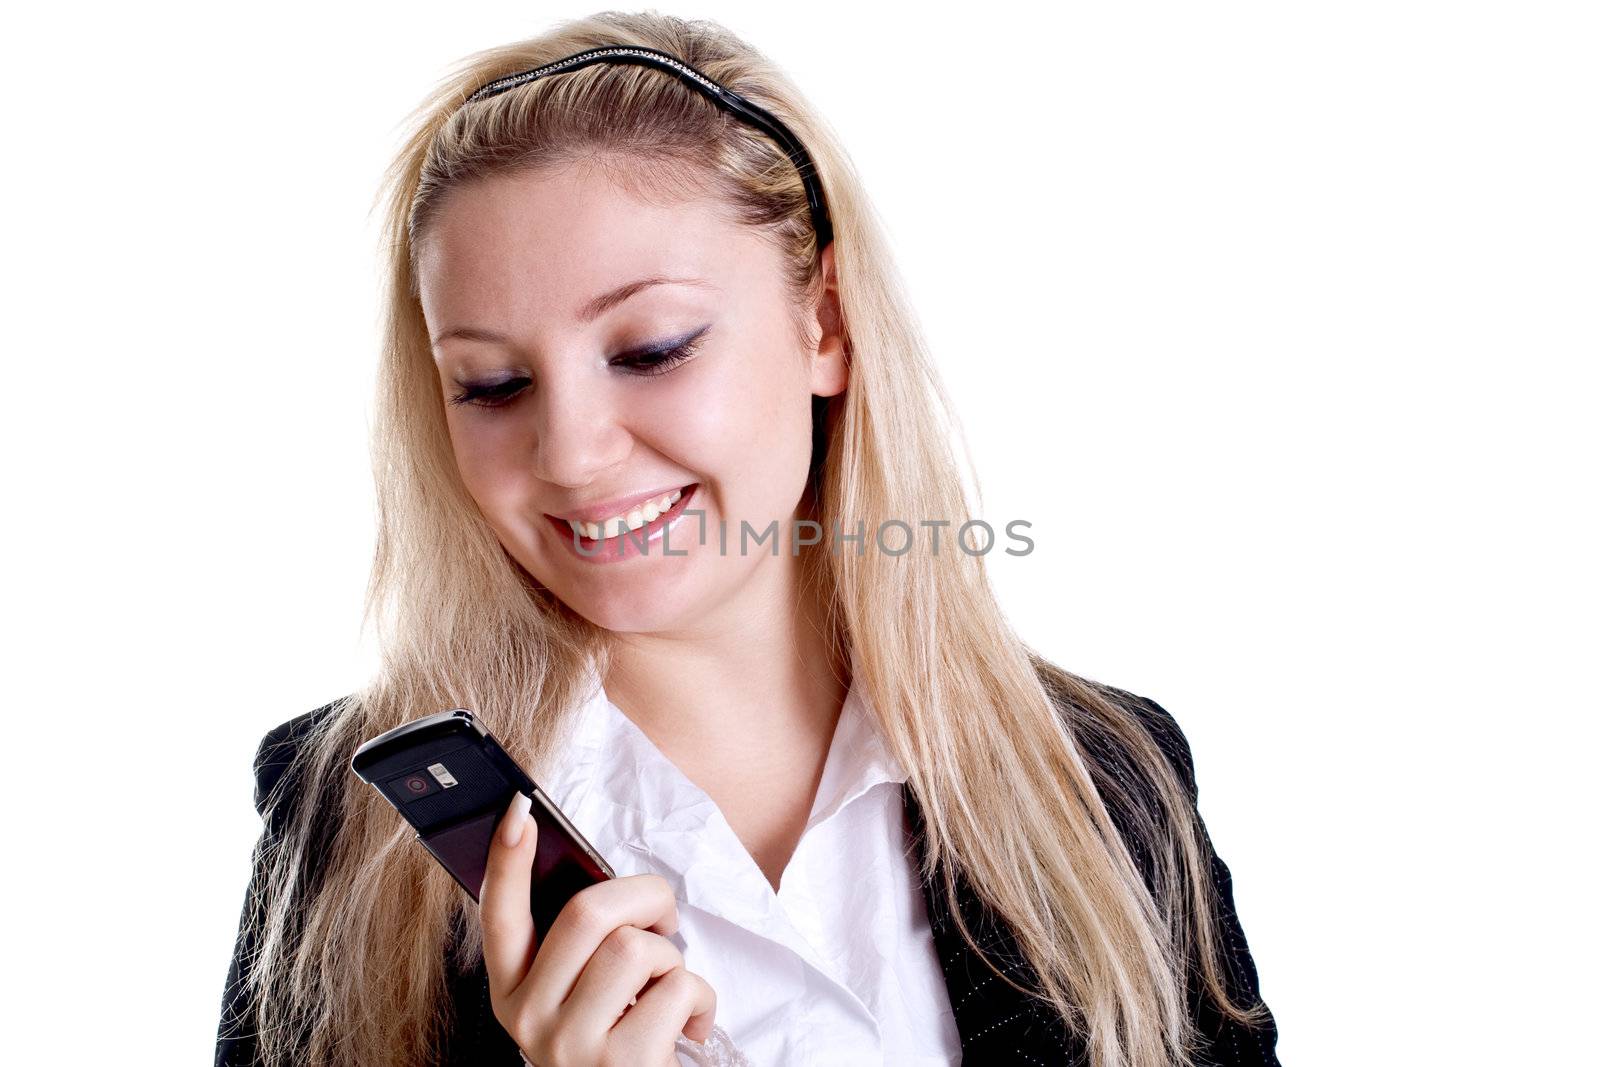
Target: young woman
[[632, 324]]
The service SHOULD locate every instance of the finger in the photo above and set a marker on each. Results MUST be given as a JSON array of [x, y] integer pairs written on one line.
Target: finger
[[616, 975], [641, 900], [509, 938], [679, 1002], [702, 1010]]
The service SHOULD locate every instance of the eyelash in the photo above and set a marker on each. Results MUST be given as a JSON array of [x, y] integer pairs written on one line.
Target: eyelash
[[660, 362]]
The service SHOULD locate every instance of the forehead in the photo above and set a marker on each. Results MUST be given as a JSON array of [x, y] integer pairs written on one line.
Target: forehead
[[538, 245]]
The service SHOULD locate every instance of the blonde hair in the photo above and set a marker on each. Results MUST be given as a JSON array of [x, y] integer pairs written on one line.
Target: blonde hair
[[355, 926]]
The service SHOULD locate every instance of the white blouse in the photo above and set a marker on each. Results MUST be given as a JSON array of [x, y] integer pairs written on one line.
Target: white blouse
[[837, 967]]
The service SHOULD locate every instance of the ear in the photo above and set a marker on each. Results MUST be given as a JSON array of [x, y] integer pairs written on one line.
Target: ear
[[830, 365]]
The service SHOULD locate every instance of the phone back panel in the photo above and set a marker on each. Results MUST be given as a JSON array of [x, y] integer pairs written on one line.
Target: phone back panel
[[450, 779]]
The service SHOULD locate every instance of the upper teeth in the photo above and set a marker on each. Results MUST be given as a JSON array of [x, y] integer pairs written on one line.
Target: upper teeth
[[632, 519]]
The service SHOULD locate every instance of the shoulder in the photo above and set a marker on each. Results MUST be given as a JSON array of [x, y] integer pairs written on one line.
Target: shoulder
[[1120, 732], [1129, 741], [1162, 729], [1137, 757], [280, 757]]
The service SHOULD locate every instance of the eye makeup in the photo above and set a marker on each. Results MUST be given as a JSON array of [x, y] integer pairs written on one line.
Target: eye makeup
[[644, 362], [660, 358]]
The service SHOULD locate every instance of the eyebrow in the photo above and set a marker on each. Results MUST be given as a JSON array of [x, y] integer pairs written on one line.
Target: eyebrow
[[590, 311]]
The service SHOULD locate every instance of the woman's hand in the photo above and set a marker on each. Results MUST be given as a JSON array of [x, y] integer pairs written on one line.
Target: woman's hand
[[582, 1001]]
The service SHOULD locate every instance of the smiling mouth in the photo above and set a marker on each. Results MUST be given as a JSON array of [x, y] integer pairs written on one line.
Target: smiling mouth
[[651, 516]]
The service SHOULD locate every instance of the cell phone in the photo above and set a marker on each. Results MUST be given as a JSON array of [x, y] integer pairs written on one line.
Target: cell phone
[[449, 778]]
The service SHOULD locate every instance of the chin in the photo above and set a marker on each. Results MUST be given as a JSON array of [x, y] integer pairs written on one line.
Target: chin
[[626, 615], [639, 595], [628, 598]]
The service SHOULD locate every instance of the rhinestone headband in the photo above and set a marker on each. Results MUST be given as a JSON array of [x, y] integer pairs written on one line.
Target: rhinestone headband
[[741, 108]]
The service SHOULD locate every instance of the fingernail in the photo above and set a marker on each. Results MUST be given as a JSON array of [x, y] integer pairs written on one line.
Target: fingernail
[[516, 819]]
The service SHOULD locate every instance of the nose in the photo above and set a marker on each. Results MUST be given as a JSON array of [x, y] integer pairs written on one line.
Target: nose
[[579, 434]]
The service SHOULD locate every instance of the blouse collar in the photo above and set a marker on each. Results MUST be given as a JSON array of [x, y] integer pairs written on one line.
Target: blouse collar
[[644, 815]]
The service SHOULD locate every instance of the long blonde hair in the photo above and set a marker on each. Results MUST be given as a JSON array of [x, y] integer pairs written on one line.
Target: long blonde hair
[[356, 927]]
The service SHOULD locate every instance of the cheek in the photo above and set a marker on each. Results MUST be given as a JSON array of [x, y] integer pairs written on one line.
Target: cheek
[[742, 421], [488, 454], [699, 419]]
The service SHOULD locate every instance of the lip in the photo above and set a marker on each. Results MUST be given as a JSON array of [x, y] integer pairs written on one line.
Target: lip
[[621, 505], [648, 540]]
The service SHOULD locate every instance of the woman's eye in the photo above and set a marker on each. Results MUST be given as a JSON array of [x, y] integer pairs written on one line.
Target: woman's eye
[[660, 359], [494, 395], [656, 359]]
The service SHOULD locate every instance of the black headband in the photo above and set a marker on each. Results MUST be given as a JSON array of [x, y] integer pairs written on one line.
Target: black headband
[[741, 108]]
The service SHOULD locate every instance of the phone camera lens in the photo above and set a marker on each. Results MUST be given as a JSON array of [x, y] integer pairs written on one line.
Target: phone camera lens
[[407, 786]]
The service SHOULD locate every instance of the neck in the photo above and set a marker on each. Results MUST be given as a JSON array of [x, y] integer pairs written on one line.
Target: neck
[[752, 689]]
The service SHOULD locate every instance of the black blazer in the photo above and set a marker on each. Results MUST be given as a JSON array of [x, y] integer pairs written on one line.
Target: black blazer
[[997, 1025]]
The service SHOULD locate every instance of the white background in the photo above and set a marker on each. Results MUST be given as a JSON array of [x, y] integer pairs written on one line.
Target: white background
[[1277, 320]]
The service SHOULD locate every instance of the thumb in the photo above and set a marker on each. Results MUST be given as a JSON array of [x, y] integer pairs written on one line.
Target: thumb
[[509, 938]]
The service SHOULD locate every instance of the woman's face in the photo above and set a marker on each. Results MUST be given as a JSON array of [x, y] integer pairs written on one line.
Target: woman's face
[[575, 390]]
